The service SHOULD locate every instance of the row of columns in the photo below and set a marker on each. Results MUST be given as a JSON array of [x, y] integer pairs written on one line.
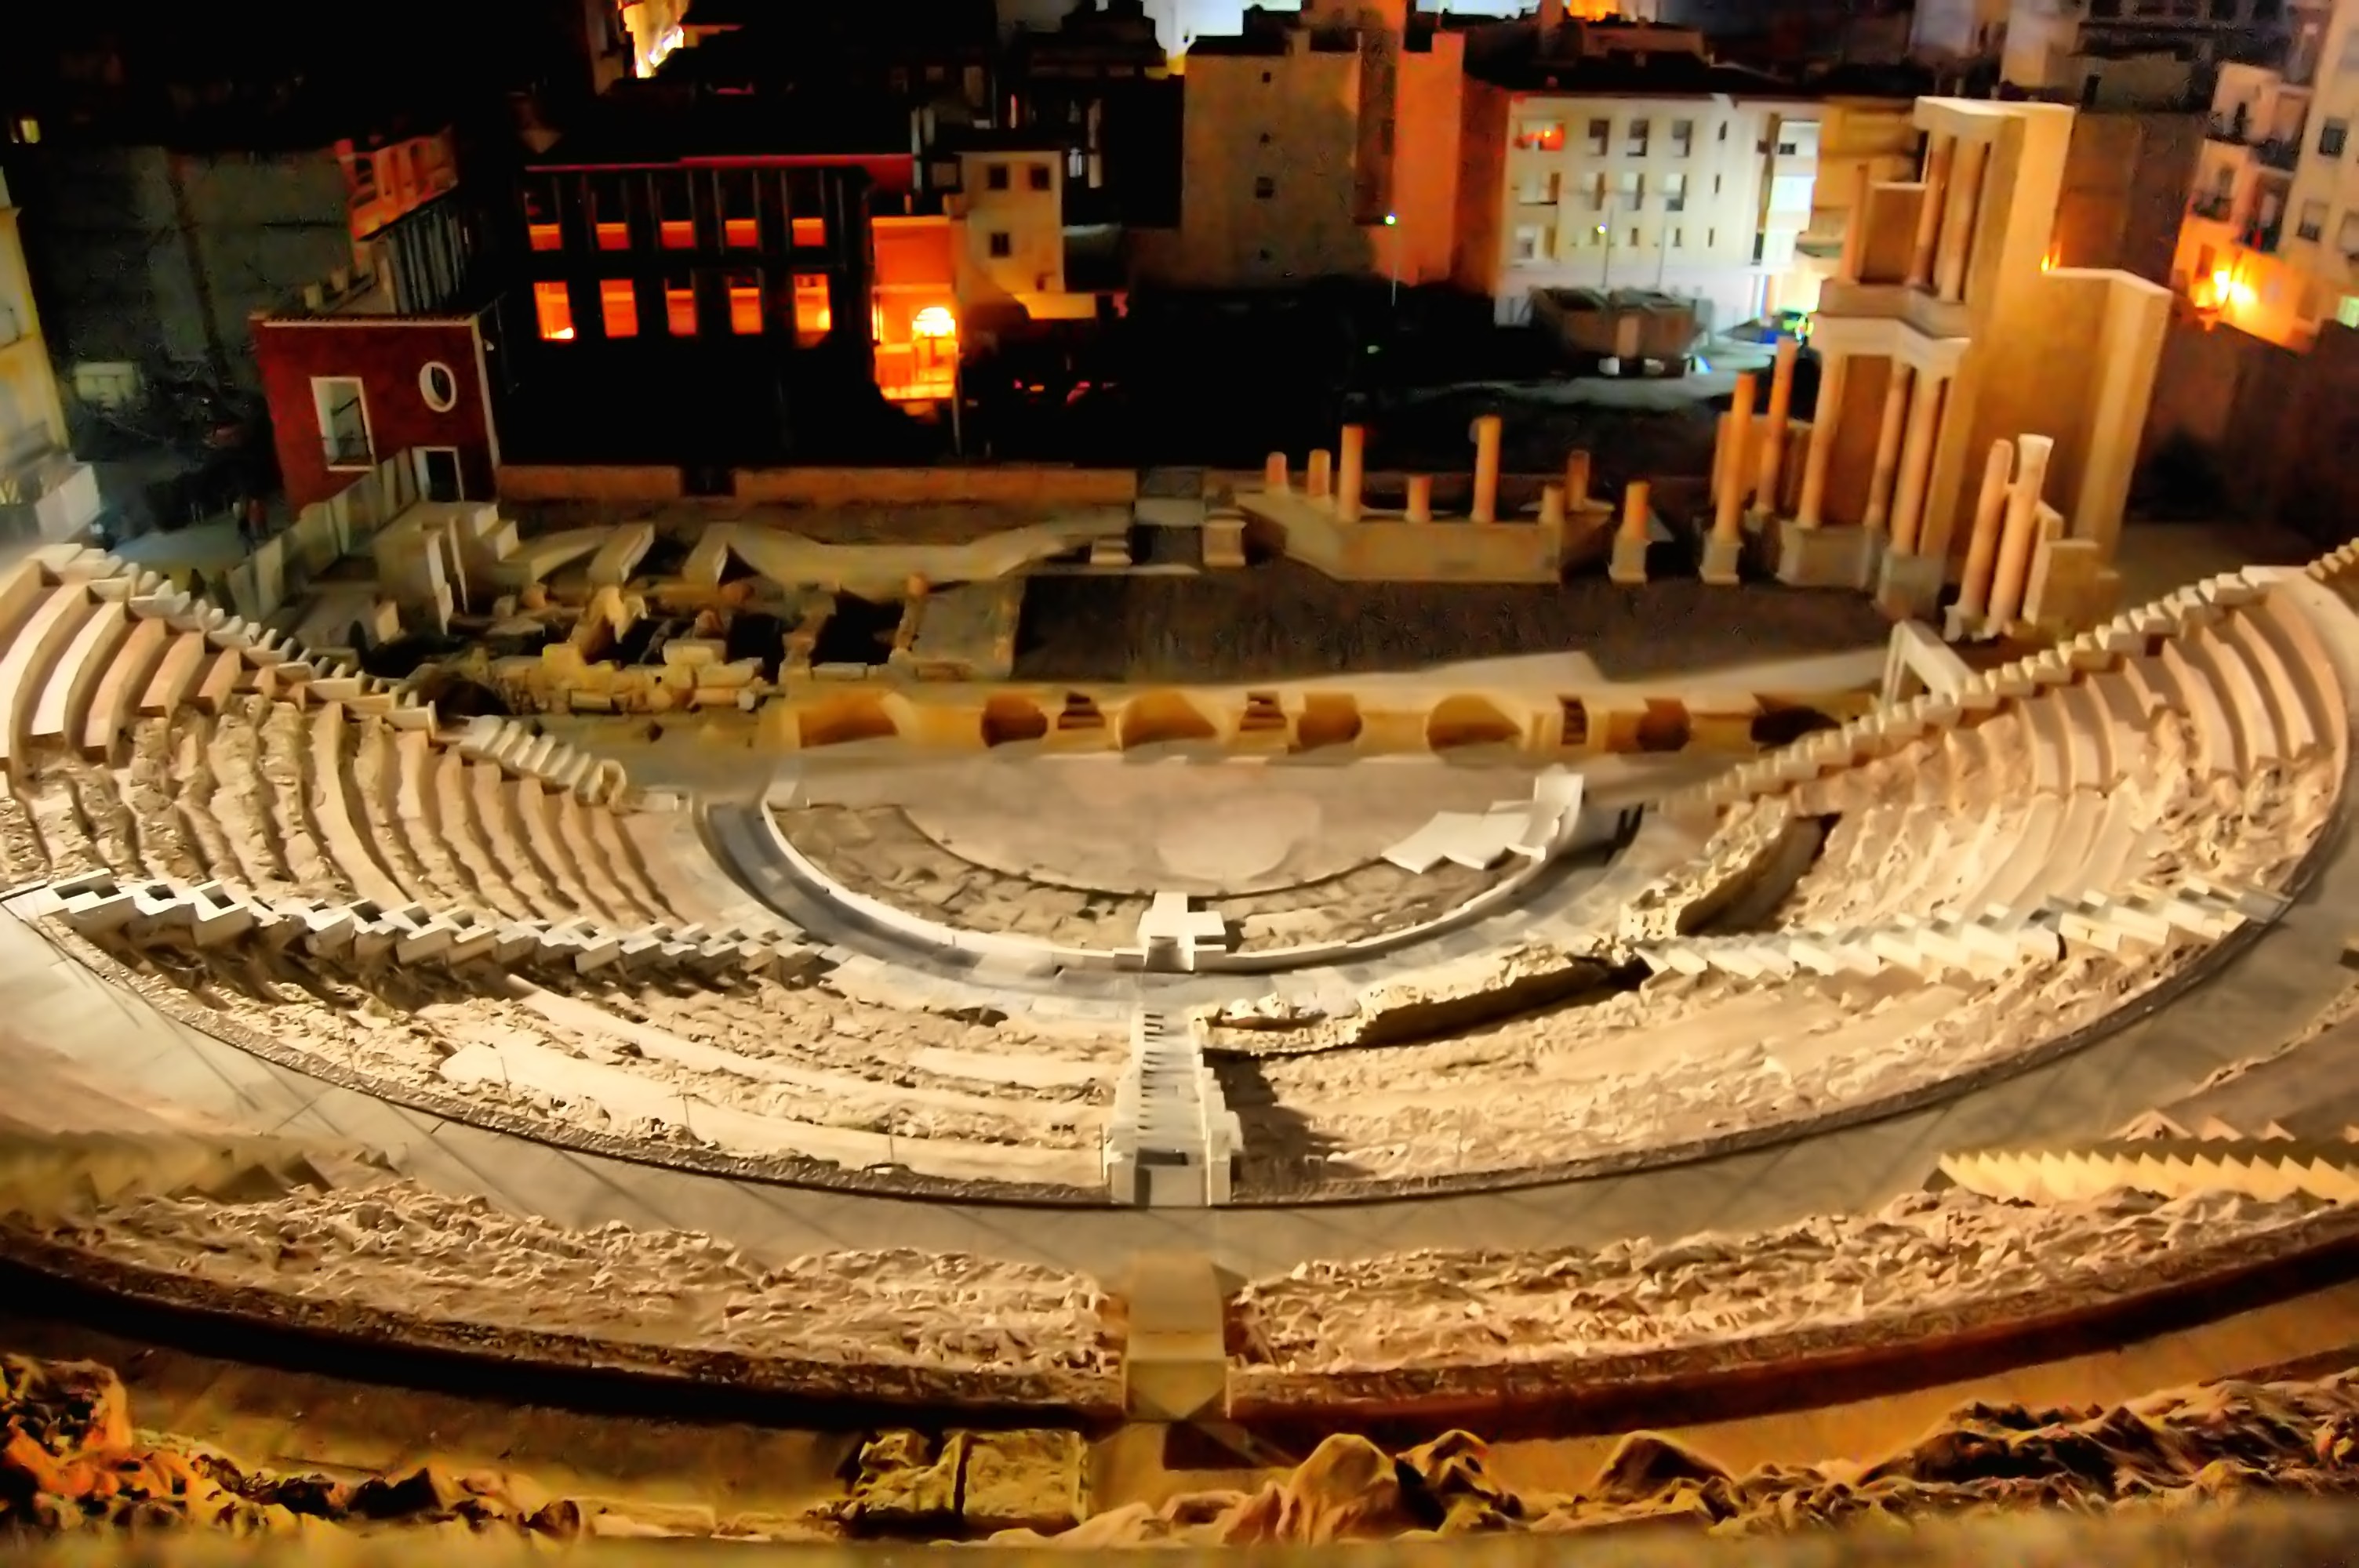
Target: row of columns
[[1945, 219], [1905, 439], [2007, 531], [1339, 478]]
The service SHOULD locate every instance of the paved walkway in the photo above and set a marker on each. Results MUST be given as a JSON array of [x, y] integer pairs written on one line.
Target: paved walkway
[[64, 1021]]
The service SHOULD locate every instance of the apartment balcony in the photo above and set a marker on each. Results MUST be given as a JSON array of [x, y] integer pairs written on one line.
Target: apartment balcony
[[2280, 154], [2216, 207], [2261, 237], [2236, 131]]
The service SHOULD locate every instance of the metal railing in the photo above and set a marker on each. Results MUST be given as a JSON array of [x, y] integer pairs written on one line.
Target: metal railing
[[347, 451]]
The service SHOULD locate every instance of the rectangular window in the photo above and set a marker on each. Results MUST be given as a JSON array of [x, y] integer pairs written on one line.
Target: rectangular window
[[541, 228], [344, 421], [1002, 246], [1629, 190], [679, 308], [675, 212], [1788, 149], [1530, 244], [1675, 193], [552, 303], [2313, 221], [806, 207], [1541, 136], [1597, 188], [995, 177], [610, 215], [1264, 188], [1678, 238], [745, 304], [2346, 234], [813, 315], [618, 306], [740, 226], [1636, 144], [2330, 137], [808, 233], [1040, 175], [1634, 239], [1682, 138], [1542, 190], [1601, 132], [1712, 239]]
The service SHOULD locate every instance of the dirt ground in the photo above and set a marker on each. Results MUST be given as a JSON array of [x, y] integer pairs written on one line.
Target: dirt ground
[[1285, 621]]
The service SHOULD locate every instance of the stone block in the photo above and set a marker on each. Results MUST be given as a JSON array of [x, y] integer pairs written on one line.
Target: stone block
[[1174, 1366], [1827, 558], [1909, 585]]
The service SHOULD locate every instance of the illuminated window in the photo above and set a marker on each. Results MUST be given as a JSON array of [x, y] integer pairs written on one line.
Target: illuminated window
[[679, 308], [813, 315], [810, 234], [610, 215], [740, 225], [744, 303], [25, 129], [540, 225], [554, 306], [1546, 136], [618, 306], [675, 212]]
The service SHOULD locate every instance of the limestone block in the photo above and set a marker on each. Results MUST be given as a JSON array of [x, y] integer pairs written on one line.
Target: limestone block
[[905, 1482], [693, 651], [1024, 1480]]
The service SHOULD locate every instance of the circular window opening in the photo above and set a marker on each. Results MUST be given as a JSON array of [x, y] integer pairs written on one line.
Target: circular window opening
[[439, 387]]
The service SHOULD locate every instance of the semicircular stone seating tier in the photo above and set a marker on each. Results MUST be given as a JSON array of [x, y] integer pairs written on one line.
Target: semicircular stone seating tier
[[2001, 872], [301, 860]]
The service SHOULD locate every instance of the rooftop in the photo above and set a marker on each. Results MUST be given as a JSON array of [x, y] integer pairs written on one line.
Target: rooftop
[[632, 127]]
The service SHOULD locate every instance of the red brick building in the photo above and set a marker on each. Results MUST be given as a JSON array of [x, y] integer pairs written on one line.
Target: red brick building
[[348, 391]]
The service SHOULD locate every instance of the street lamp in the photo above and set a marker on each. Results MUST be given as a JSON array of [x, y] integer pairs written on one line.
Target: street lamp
[[1392, 221], [1605, 268]]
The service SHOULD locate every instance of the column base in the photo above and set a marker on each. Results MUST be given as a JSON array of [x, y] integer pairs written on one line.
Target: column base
[[1828, 557], [1629, 563], [1908, 587], [1720, 560]]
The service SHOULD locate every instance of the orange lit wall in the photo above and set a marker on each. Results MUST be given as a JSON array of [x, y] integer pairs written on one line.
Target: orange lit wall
[[2250, 291], [1427, 160], [397, 177], [916, 272]]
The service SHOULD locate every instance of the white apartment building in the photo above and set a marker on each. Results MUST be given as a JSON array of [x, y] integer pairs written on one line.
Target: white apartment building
[[1653, 176], [2272, 224]]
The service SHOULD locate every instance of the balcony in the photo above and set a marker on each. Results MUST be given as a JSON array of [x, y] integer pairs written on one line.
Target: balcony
[[2280, 154], [2262, 237], [2215, 207]]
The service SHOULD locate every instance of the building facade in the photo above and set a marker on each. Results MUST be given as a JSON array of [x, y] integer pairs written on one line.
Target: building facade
[[1594, 164], [2132, 53], [1321, 144], [44, 492]]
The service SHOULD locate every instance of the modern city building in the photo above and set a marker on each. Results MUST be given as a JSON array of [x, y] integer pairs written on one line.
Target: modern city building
[[2102, 53], [1617, 154], [1099, 82], [44, 492], [1316, 144]]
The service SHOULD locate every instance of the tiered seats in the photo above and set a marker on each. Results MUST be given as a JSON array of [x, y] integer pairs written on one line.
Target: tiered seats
[[2268, 1169]]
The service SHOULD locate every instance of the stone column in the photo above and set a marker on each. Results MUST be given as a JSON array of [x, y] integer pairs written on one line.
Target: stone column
[[1486, 468], [1981, 547], [1315, 482], [1736, 482], [1552, 506], [1420, 498], [1349, 473], [1810, 511], [2022, 528], [1721, 425], [1917, 461], [1629, 563], [1273, 474], [1928, 212], [1855, 239], [1773, 443], [1576, 479], [1958, 227], [1887, 448]]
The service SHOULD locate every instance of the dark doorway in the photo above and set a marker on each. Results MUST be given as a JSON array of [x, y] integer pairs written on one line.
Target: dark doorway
[[438, 473]]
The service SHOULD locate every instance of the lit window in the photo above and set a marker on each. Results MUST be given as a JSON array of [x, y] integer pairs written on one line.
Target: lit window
[[679, 308], [1546, 136], [674, 211], [618, 305], [677, 233], [810, 234], [610, 214], [554, 306], [26, 130], [546, 236], [734, 191], [742, 233], [1002, 246], [1039, 175], [540, 224], [613, 236], [744, 303], [813, 315]]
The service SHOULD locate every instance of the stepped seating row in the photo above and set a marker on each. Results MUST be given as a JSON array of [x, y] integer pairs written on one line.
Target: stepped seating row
[[521, 748], [170, 741], [2268, 1169]]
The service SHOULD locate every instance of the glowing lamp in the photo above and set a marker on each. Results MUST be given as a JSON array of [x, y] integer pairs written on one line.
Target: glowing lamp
[[933, 321], [562, 335], [1391, 218]]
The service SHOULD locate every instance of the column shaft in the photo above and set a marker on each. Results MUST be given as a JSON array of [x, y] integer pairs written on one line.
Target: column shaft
[[1349, 473], [1273, 474], [1928, 214], [1832, 368], [1990, 512], [1315, 483], [1420, 498], [2022, 531], [1855, 239], [1737, 482], [1636, 510], [1781, 405], [1917, 461], [1486, 468], [1958, 227], [1576, 479], [1888, 447]]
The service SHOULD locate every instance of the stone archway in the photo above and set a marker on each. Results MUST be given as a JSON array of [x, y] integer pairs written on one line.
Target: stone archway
[[1010, 720], [1783, 724], [841, 721], [1161, 717], [1468, 720], [1664, 727], [1328, 720]]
